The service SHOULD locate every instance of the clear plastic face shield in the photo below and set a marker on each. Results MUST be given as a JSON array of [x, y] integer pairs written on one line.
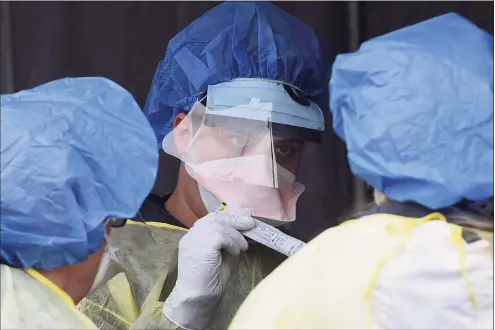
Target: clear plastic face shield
[[244, 143]]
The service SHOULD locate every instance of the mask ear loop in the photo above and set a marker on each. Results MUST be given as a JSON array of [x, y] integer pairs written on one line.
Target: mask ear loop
[[108, 281], [110, 248]]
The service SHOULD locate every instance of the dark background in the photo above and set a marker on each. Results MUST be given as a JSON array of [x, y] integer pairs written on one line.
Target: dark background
[[124, 41]]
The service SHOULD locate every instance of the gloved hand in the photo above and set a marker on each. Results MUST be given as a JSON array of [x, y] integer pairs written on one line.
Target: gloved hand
[[208, 254]]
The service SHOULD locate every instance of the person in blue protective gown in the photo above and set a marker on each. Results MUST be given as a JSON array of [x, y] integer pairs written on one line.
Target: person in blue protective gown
[[415, 109], [77, 155], [237, 99]]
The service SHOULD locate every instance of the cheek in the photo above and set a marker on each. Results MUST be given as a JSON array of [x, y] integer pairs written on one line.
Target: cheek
[[292, 164], [208, 147], [292, 168]]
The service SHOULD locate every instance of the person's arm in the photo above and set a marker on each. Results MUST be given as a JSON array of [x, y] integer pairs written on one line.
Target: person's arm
[[323, 285], [207, 254]]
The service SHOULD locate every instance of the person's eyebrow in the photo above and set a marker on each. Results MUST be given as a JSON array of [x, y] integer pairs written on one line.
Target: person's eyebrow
[[289, 141]]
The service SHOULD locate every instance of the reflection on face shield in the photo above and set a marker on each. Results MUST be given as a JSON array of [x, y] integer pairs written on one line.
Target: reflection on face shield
[[245, 161]]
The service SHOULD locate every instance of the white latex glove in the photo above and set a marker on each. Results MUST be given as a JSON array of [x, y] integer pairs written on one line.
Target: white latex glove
[[208, 254]]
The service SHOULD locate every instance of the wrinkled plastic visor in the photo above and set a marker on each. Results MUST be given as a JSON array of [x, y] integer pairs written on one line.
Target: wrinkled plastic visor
[[238, 149], [264, 122]]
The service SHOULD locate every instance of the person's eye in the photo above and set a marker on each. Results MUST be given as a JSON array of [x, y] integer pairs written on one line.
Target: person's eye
[[284, 151], [238, 141]]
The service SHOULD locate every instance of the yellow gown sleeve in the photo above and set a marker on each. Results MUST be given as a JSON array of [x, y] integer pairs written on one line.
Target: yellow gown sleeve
[[322, 286]]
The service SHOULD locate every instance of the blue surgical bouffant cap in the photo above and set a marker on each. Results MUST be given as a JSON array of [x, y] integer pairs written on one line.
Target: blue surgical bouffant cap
[[415, 108], [235, 40], [74, 152]]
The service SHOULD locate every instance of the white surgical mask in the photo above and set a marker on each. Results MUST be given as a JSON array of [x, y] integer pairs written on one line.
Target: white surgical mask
[[276, 206]]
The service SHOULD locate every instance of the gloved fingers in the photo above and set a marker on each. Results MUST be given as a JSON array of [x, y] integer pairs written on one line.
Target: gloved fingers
[[229, 245], [230, 265], [236, 237], [242, 212], [231, 262], [241, 220]]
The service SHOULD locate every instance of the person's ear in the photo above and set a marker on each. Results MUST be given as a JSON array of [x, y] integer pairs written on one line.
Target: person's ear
[[179, 118], [182, 133]]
